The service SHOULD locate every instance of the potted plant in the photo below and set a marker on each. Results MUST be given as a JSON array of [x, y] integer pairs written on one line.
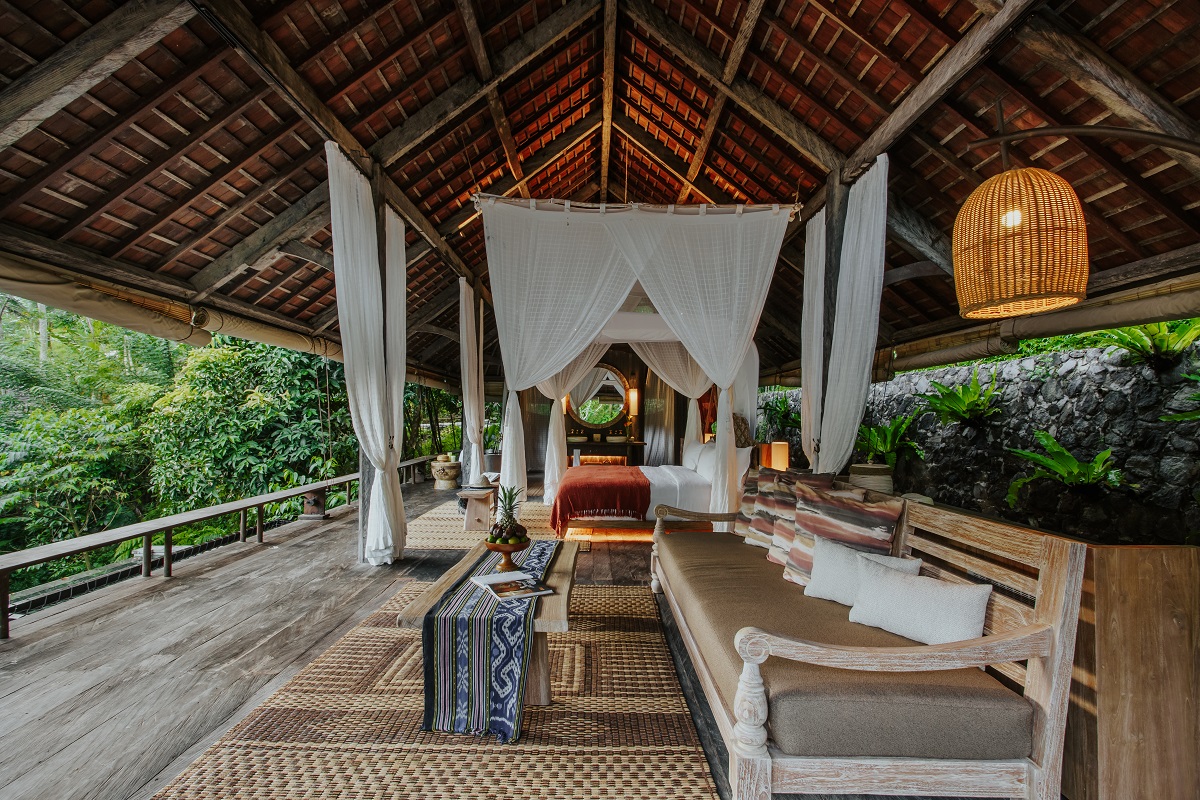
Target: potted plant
[[492, 436], [885, 443], [1161, 345]]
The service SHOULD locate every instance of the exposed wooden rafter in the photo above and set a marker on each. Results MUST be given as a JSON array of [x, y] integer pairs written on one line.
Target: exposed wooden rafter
[[266, 56], [610, 79], [483, 66], [732, 61], [85, 61]]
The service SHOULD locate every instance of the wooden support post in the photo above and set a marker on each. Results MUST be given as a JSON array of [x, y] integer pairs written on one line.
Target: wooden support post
[[314, 505], [261, 522], [242, 525], [167, 553], [837, 195], [147, 554], [3, 605]]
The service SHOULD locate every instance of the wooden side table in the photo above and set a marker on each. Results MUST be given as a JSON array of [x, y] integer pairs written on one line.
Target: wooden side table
[[550, 616], [480, 503]]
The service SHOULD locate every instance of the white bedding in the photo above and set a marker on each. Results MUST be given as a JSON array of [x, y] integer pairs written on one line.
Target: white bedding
[[676, 486]]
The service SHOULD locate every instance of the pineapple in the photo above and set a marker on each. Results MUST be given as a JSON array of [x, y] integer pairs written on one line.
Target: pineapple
[[507, 530]]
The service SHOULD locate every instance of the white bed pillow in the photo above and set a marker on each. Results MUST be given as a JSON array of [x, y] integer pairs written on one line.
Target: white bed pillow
[[918, 607], [691, 455], [706, 464], [835, 570], [743, 460]]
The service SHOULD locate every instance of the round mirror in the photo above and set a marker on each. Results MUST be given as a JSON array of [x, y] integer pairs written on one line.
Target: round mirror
[[599, 400]]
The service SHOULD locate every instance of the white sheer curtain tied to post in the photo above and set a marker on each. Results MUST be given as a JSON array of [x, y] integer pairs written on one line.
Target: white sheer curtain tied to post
[[672, 362], [556, 280], [812, 338], [555, 387], [588, 386], [856, 322], [470, 349], [371, 315], [566, 271]]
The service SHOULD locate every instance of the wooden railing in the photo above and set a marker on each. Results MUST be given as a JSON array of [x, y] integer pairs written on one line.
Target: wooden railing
[[146, 530]]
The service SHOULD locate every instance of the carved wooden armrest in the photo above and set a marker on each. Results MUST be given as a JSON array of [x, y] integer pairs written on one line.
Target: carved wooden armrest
[[1030, 641], [662, 511]]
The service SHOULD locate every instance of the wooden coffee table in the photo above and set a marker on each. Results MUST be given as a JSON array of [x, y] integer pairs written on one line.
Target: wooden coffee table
[[550, 616]]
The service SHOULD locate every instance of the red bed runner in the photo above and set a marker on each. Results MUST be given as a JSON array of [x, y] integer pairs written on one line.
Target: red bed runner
[[600, 491]]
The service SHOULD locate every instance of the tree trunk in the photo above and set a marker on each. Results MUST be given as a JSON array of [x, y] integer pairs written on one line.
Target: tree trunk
[[43, 334]]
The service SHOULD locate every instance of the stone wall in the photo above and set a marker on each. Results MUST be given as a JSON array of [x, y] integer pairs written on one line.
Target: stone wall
[[1089, 400]]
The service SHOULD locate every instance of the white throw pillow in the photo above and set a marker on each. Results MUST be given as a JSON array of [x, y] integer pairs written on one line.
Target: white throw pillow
[[691, 454], [919, 607], [835, 570], [743, 460]]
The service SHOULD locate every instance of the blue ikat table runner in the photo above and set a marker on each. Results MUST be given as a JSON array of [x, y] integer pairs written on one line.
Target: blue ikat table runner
[[476, 651]]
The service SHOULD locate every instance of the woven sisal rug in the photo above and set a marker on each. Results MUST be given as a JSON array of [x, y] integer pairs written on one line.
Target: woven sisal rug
[[441, 528], [348, 725]]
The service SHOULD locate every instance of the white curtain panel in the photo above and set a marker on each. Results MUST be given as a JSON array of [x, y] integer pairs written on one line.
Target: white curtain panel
[[812, 337], [555, 387], [707, 272], [556, 279], [588, 386], [745, 388], [371, 315], [856, 324], [470, 351], [672, 362]]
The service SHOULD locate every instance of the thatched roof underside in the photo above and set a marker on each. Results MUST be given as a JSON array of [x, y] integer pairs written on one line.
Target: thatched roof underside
[[151, 145]]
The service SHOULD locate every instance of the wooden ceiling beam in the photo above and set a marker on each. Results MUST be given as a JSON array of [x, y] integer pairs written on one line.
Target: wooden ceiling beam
[[970, 50], [1107, 80], [265, 55], [312, 255], [918, 233], [732, 62], [483, 67], [769, 113], [1159, 266], [908, 272], [445, 333], [468, 91], [662, 155], [85, 61], [610, 78]]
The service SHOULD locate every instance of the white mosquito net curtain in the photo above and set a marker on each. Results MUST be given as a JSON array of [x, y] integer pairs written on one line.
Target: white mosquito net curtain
[[371, 315], [470, 349], [561, 273]]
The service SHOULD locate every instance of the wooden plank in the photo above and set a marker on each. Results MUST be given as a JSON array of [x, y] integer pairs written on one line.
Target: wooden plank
[[1151, 267], [908, 272], [752, 99], [465, 93], [85, 61], [511, 153], [953, 66], [1104, 78], [907, 776], [610, 76], [1003, 612], [308, 253], [916, 233], [997, 538], [998, 573], [662, 155]]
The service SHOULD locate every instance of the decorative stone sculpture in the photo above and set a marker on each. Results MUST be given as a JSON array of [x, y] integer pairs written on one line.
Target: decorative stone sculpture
[[445, 474]]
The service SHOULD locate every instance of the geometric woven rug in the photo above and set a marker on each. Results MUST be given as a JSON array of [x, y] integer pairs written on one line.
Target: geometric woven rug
[[348, 725]]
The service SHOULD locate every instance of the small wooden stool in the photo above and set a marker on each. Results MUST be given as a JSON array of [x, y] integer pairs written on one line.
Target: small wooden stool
[[480, 502]]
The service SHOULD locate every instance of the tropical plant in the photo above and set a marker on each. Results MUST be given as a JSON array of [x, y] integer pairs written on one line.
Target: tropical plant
[[969, 403], [491, 430], [888, 440], [1186, 416], [1161, 345], [778, 417], [1060, 465]]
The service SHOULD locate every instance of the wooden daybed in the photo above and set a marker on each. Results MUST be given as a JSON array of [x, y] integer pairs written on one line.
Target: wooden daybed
[[809, 702]]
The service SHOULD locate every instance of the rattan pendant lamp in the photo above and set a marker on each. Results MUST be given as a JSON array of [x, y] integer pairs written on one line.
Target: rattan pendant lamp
[[1020, 245]]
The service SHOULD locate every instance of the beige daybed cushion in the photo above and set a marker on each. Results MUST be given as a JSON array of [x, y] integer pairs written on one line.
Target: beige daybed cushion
[[723, 585]]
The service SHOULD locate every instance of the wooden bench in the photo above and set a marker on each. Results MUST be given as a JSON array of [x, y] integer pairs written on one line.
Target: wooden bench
[[1029, 638], [146, 530]]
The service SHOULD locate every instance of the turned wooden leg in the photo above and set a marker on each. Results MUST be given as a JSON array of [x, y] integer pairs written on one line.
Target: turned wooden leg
[[749, 761], [537, 676], [655, 584]]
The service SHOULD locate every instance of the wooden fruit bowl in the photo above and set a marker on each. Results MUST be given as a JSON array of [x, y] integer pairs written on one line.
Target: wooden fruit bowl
[[507, 564]]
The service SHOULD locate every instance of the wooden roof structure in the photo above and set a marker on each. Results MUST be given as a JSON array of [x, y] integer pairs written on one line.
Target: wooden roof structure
[[175, 147]]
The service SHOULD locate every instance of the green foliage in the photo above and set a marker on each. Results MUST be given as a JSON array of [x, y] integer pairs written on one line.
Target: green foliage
[[1186, 416], [969, 403], [888, 440], [600, 412], [245, 419], [778, 418], [491, 428], [1160, 344], [1060, 465]]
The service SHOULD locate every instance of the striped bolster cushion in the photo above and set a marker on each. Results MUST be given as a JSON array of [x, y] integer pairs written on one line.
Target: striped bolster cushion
[[745, 517], [785, 509], [843, 516]]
